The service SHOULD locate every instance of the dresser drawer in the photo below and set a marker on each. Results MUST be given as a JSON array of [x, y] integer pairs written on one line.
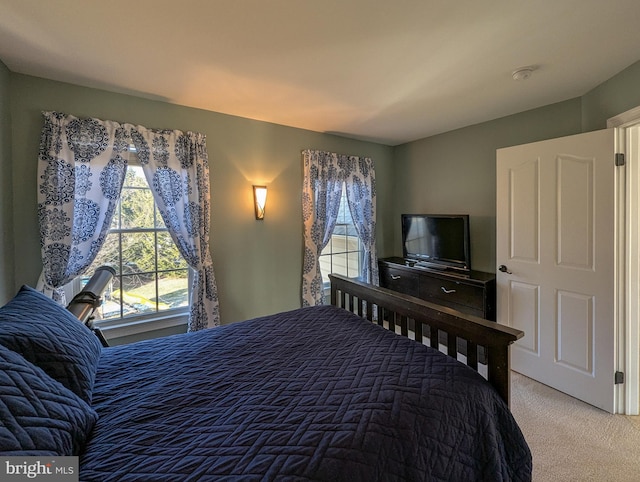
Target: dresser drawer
[[473, 293], [454, 294], [399, 280]]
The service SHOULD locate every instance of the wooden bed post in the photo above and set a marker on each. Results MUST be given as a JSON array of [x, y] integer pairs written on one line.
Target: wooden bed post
[[333, 295], [499, 371]]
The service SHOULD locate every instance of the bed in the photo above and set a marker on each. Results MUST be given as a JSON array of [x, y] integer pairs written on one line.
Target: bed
[[336, 392]]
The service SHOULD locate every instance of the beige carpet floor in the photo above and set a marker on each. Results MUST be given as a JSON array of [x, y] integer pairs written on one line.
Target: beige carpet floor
[[571, 440]]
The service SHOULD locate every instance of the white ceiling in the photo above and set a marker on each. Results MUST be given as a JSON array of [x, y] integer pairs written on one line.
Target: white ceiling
[[389, 71]]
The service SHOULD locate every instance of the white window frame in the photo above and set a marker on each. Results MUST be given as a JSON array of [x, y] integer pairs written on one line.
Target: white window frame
[[137, 323], [344, 205]]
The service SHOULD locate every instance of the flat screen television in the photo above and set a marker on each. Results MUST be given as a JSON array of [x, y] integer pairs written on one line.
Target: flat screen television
[[439, 241]]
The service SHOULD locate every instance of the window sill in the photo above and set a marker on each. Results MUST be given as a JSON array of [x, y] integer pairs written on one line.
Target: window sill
[[126, 328]]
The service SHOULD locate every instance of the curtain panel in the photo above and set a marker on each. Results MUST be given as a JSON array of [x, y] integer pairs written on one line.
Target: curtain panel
[[176, 167], [324, 175], [82, 168]]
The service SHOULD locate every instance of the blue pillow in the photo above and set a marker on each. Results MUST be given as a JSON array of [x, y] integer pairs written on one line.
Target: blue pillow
[[38, 416], [50, 337]]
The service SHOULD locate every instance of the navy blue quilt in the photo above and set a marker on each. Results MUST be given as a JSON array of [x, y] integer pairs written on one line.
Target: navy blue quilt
[[311, 394]]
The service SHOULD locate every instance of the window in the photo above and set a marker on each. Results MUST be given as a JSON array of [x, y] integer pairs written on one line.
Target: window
[[151, 275], [343, 254]]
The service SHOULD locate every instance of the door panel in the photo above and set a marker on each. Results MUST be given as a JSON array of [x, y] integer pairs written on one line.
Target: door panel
[[524, 314], [524, 190], [575, 319], [575, 212], [556, 233]]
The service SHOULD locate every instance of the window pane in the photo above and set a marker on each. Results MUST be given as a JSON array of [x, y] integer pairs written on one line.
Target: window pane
[[353, 243], [137, 208], [326, 251], [135, 177], [169, 258], [353, 261], [339, 264], [138, 252], [109, 254], [344, 215], [173, 289], [159, 221], [138, 294], [338, 243], [325, 267], [110, 307], [340, 229], [115, 221]]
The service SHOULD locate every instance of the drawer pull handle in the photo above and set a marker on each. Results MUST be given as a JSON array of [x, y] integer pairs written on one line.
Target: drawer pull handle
[[395, 277], [446, 291]]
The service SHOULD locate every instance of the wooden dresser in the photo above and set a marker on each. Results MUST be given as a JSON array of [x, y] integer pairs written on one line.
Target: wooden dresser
[[473, 293]]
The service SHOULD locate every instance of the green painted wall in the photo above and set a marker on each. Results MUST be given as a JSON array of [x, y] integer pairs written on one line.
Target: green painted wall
[[6, 200], [258, 265], [615, 96], [455, 172]]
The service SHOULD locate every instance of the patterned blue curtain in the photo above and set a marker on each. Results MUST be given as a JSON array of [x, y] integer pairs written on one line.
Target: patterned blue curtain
[[361, 196], [82, 165], [324, 175], [176, 166]]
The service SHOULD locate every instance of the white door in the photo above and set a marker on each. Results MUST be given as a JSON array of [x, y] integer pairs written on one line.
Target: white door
[[556, 237]]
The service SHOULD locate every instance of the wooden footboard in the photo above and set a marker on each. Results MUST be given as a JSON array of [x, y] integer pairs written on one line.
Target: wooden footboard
[[430, 321]]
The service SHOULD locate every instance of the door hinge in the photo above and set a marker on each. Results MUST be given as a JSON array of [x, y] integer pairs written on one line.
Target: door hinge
[[619, 159], [619, 378]]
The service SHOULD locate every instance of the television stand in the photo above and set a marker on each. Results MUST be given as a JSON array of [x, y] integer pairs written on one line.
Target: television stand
[[471, 292]]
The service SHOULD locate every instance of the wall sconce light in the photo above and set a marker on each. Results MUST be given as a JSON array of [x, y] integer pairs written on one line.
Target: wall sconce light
[[259, 200]]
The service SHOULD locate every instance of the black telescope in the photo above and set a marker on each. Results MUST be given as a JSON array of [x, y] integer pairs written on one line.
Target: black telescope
[[89, 299]]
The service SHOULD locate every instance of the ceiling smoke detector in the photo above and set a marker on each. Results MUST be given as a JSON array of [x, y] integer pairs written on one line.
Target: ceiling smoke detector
[[523, 73]]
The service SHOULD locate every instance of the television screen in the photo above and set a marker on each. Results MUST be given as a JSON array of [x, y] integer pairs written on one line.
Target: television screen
[[437, 240]]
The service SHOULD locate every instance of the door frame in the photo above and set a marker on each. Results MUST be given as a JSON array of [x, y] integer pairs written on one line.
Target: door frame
[[628, 260]]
